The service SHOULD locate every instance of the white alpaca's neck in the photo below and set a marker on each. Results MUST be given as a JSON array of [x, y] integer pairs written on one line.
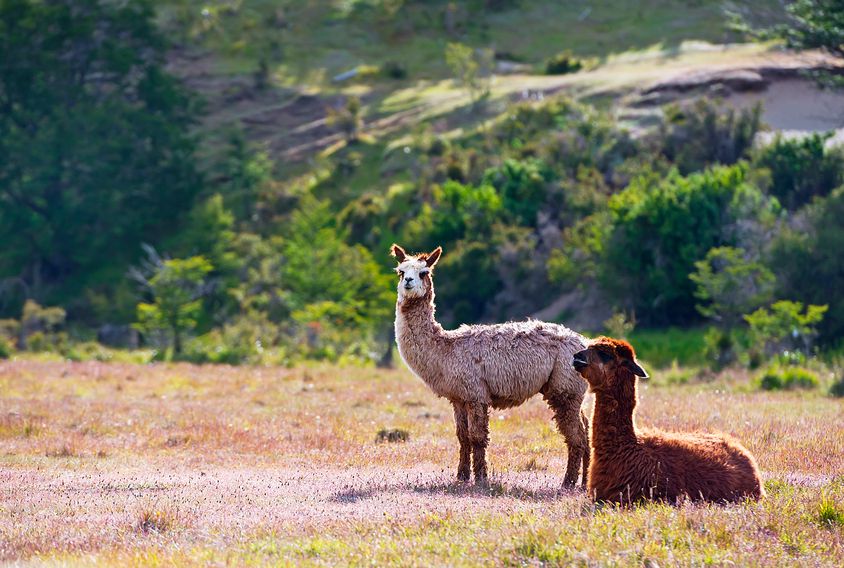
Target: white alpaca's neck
[[421, 340]]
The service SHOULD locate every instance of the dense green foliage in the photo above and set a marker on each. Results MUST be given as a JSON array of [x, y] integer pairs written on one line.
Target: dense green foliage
[[92, 129], [268, 261], [788, 378], [658, 230], [801, 169], [815, 23]]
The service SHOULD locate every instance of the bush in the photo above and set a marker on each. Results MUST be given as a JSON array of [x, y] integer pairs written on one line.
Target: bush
[[6, 348], [620, 324], [10, 329], [837, 388], [698, 135], [521, 186], [88, 351], [40, 342], [721, 348], [802, 168], [788, 378], [392, 435], [830, 514], [563, 63], [394, 70], [785, 327], [808, 261], [659, 228]]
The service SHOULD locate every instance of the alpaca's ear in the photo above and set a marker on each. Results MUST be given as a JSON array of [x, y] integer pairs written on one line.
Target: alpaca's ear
[[398, 252], [636, 368], [434, 256]]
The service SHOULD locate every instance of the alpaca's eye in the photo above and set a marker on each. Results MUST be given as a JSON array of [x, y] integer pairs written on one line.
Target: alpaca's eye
[[424, 273], [605, 357], [401, 272]]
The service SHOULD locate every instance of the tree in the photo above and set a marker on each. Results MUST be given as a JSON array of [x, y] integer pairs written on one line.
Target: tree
[[176, 288], [730, 285], [808, 261], [96, 158], [470, 69], [814, 24], [337, 292], [801, 168], [695, 136], [786, 324], [347, 118]]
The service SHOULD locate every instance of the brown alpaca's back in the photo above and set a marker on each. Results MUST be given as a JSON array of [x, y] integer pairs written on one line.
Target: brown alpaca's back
[[629, 465], [672, 466]]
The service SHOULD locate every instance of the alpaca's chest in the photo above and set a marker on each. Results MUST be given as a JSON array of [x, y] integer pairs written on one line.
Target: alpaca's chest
[[425, 365]]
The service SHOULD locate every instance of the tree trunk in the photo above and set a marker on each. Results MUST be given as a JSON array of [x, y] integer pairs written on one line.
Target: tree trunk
[[177, 341], [386, 361]]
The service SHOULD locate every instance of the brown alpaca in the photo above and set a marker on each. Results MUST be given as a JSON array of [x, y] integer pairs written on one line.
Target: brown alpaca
[[479, 366], [629, 465]]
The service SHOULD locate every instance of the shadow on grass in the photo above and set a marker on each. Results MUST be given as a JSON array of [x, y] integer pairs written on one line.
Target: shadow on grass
[[536, 489]]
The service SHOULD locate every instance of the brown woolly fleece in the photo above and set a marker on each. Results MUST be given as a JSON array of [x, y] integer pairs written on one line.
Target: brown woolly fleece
[[479, 366], [629, 465]]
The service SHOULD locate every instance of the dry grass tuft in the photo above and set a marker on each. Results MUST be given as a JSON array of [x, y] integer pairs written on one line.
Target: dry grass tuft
[[66, 450], [157, 519], [392, 435]]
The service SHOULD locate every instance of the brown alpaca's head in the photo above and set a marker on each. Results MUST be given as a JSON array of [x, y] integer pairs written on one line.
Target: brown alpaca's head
[[415, 271], [606, 362]]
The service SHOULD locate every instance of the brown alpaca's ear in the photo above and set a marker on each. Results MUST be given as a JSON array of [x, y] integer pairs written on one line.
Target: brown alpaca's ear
[[635, 368], [434, 257], [398, 252]]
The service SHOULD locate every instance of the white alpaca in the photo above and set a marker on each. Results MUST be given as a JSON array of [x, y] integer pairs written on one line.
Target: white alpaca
[[478, 366]]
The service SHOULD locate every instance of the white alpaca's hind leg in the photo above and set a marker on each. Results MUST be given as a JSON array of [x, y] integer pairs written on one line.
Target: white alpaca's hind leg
[[461, 421], [479, 436]]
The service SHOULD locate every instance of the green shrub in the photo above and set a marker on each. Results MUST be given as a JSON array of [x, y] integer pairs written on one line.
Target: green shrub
[[807, 257], [701, 134], [88, 351], [10, 329], [6, 348], [660, 227], [620, 324], [394, 70], [788, 378], [39, 342], [785, 327], [721, 349], [563, 63], [837, 388], [522, 186], [830, 514], [802, 168]]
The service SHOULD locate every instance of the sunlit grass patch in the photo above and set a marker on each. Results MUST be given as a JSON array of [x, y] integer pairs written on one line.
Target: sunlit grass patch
[[830, 513]]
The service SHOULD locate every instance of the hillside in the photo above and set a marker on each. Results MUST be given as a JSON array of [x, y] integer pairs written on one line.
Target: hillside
[[206, 206]]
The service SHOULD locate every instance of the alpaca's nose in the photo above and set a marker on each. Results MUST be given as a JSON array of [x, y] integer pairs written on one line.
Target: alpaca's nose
[[408, 279]]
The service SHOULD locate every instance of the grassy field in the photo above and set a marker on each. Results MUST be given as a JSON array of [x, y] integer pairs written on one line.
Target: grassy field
[[109, 463]]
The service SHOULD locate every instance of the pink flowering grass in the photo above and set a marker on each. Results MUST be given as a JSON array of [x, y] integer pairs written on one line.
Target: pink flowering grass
[[117, 464]]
